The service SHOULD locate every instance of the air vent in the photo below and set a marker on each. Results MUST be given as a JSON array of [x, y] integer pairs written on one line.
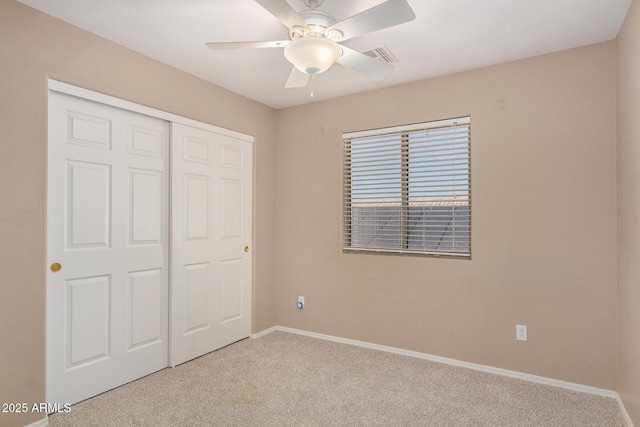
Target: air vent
[[383, 54]]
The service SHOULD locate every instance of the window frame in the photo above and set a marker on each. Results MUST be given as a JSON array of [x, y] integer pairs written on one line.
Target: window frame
[[405, 164]]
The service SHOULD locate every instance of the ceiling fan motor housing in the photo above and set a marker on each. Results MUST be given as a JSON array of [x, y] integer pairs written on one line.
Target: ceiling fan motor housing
[[318, 23]]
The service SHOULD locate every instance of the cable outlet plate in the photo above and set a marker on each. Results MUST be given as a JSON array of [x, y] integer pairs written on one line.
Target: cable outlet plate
[[300, 302], [521, 333]]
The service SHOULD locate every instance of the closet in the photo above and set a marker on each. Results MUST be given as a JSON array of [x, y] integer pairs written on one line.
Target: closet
[[148, 241]]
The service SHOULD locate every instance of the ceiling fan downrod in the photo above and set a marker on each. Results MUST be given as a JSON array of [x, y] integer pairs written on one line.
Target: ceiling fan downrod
[[313, 3]]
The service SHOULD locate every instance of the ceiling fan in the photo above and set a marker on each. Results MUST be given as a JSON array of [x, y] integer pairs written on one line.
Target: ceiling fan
[[314, 36]]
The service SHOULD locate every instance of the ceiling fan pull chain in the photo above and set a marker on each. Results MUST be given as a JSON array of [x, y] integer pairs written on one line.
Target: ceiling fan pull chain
[[313, 79]]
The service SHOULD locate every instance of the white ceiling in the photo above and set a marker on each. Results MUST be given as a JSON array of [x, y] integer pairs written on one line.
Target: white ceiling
[[447, 36]]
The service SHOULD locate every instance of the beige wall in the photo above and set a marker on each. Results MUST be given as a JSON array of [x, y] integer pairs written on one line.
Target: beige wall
[[543, 215], [628, 114], [544, 207], [34, 47]]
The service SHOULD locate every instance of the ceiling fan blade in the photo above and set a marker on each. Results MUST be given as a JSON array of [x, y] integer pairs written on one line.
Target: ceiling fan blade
[[245, 45], [384, 15], [285, 13], [365, 65], [296, 79]]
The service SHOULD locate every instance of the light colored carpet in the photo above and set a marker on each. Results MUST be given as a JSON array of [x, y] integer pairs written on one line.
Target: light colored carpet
[[284, 379]]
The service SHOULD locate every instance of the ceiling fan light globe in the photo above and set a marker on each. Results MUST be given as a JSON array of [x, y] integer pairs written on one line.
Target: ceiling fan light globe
[[312, 55]]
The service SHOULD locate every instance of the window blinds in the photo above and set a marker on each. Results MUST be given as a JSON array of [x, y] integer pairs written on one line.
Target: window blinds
[[407, 189]]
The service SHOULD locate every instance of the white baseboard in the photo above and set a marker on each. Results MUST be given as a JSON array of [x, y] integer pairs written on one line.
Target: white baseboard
[[264, 332], [40, 423], [448, 361]]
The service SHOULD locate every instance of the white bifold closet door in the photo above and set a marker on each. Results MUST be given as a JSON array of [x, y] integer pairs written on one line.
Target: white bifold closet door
[[211, 199], [107, 248]]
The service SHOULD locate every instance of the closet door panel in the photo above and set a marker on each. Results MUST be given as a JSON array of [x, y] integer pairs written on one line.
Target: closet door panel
[[107, 247], [211, 227]]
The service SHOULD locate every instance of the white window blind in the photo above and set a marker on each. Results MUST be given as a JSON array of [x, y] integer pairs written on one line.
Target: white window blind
[[407, 189]]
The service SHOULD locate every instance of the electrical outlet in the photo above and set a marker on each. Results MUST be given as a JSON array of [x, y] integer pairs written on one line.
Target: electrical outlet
[[521, 333]]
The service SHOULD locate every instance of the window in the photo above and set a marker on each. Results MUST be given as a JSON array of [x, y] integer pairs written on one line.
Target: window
[[407, 189]]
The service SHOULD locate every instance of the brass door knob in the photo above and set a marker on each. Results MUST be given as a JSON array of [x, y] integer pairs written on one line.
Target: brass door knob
[[55, 267], [246, 248]]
